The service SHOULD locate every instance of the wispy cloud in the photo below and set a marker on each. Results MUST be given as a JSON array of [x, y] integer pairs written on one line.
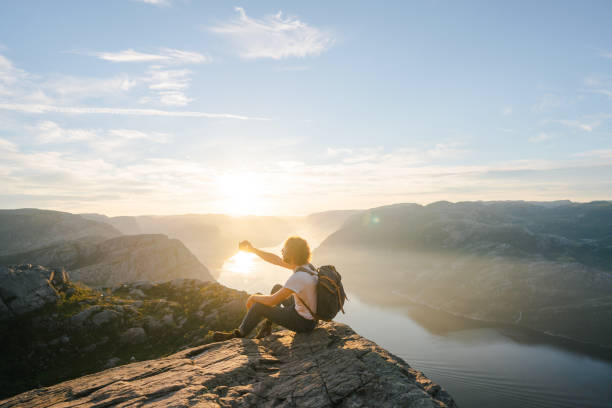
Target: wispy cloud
[[408, 156], [598, 85], [85, 110], [447, 150], [292, 69], [506, 110], [164, 79], [165, 55], [586, 126], [69, 86], [7, 146], [547, 103], [63, 94], [9, 75], [604, 53], [156, 2], [169, 85], [50, 132], [274, 36], [599, 153], [130, 134], [541, 137]]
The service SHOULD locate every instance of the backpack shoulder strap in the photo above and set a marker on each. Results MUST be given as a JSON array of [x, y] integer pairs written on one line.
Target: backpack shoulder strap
[[302, 269], [313, 314]]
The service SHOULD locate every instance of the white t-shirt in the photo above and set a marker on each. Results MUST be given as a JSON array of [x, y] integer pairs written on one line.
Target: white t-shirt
[[305, 285]]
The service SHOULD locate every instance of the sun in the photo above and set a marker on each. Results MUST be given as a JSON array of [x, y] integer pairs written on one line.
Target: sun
[[241, 263], [240, 194]]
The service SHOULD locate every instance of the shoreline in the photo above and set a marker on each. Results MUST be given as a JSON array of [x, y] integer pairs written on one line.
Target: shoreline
[[603, 351]]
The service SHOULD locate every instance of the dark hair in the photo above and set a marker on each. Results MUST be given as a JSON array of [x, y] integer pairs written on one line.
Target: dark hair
[[297, 250]]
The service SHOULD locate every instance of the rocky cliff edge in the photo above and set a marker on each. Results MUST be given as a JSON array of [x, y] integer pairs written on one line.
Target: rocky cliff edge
[[331, 366]]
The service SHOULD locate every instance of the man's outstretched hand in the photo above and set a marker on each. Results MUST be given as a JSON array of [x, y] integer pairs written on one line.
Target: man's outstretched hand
[[245, 246]]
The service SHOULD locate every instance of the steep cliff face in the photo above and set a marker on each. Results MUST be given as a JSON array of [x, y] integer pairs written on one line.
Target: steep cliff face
[[28, 229], [127, 258], [329, 367], [546, 267], [140, 257]]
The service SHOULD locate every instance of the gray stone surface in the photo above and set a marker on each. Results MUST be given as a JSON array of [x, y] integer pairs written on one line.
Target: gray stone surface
[[80, 318], [137, 293], [113, 362], [25, 288], [104, 317], [168, 320], [331, 366], [134, 335], [5, 312]]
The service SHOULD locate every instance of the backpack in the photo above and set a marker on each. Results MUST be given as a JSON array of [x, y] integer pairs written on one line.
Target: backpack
[[330, 292]]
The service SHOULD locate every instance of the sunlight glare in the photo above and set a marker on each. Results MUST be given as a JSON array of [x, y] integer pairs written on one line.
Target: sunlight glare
[[240, 193], [241, 263]]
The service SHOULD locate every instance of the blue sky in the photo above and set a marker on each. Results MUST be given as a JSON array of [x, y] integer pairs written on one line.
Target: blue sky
[[160, 107]]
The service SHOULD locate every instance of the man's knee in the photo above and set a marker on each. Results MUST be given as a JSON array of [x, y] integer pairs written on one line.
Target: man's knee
[[276, 288]]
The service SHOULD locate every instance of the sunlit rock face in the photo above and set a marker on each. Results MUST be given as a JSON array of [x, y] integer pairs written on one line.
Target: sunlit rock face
[[28, 229], [126, 258], [546, 266], [140, 257], [329, 367]]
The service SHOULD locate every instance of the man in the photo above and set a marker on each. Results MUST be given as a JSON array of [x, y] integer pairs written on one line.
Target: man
[[292, 305]]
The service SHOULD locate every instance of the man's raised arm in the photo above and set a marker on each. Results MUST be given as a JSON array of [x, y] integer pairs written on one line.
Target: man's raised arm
[[266, 256]]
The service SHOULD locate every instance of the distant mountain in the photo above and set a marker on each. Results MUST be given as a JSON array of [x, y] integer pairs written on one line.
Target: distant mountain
[[547, 266], [214, 237], [27, 229], [126, 258], [318, 226]]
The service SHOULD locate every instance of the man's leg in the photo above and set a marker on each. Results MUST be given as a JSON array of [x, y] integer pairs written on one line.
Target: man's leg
[[258, 312], [283, 316], [266, 327], [287, 302]]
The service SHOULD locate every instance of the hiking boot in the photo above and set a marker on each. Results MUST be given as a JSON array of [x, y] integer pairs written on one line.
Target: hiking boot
[[221, 335], [265, 330]]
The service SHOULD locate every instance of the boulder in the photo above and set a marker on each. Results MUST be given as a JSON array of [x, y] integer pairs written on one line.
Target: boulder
[[142, 285], [136, 293], [25, 288], [134, 335], [104, 317], [152, 324], [113, 362], [80, 318], [168, 320], [331, 366]]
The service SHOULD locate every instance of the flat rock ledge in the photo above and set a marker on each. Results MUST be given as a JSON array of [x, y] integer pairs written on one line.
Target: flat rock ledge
[[329, 367]]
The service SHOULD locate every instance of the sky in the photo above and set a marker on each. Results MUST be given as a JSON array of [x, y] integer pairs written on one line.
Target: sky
[[126, 107]]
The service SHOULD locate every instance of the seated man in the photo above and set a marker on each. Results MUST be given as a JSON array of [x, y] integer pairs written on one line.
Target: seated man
[[292, 305]]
